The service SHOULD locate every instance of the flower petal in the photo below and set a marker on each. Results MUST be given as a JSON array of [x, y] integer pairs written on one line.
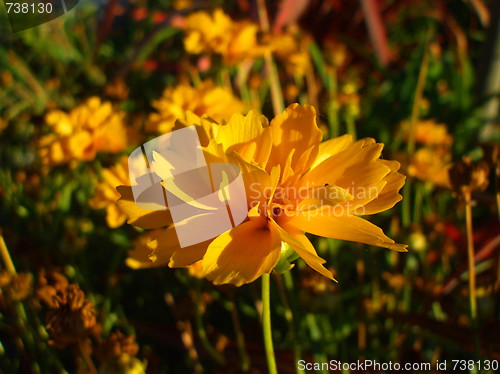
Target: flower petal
[[305, 250], [339, 168], [165, 249], [295, 128], [146, 219], [242, 254], [140, 256], [161, 247], [114, 216], [389, 195], [248, 135], [331, 147], [189, 255], [345, 227]]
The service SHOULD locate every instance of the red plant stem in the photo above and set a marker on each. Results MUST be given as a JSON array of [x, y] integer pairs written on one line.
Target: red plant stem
[[376, 28]]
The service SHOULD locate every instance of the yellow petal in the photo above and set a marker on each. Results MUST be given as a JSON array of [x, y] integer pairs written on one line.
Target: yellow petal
[[317, 197], [242, 254], [140, 256], [331, 147], [389, 195], [305, 250], [248, 135], [189, 255], [166, 249], [114, 216], [345, 227], [339, 168], [259, 185], [204, 125], [146, 219], [161, 247], [295, 128]]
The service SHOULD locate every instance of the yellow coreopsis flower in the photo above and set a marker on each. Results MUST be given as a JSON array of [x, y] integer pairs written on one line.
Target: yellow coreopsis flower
[[294, 185], [92, 127], [218, 103], [218, 33], [430, 165], [430, 133], [105, 195]]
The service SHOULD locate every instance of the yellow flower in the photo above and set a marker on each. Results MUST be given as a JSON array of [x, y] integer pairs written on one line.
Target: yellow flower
[[140, 255], [431, 133], [293, 53], [430, 165], [218, 33], [294, 184], [78, 135], [105, 195], [217, 102]]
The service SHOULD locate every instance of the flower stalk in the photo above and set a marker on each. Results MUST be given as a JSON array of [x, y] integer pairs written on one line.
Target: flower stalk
[[285, 283], [271, 71], [9, 264], [266, 324], [470, 256], [333, 115], [202, 334], [240, 338]]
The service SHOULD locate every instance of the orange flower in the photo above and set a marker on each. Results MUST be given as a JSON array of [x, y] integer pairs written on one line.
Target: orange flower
[[217, 102], [218, 33], [430, 133], [430, 165], [105, 195], [294, 184], [78, 135]]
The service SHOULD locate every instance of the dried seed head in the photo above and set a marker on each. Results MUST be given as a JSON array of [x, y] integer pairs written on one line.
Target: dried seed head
[[72, 317], [472, 175], [49, 284]]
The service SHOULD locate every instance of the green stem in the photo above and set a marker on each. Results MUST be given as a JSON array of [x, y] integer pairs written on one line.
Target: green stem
[[287, 277], [276, 93], [333, 106], [406, 208], [470, 253], [241, 79], [4, 252], [202, 334], [472, 269], [419, 197], [351, 125], [266, 324], [317, 342], [240, 338], [419, 91], [271, 71]]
